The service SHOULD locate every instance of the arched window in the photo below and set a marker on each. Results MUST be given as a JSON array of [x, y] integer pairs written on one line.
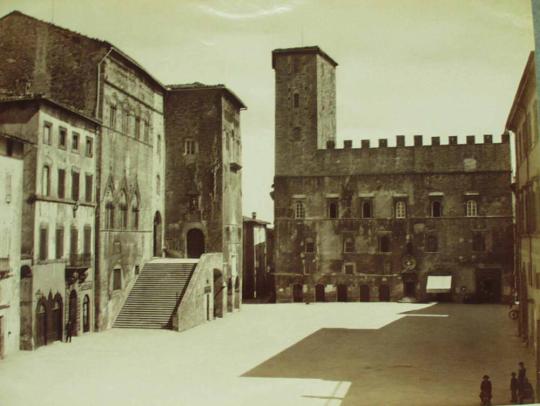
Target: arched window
[[46, 181], [471, 208], [135, 212], [400, 209], [367, 209], [299, 209], [436, 208], [123, 210], [348, 244], [384, 243], [432, 243]]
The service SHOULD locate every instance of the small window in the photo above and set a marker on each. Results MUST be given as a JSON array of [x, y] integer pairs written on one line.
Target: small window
[[47, 129], [299, 209], [296, 100], [367, 209], [349, 269], [112, 116], [75, 185], [117, 279], [333, 208], [74, 242], [137, 127], [89, 185], [400, 209], [348, 244], [61, 183], [89, 147], [125, 122], [310, 245], [75, 141], [471, 208], [146, 128], [190, 147], [109, 215], [43, 244], [478, 243], [62, 137], [432, 243], [87, 242], [436, 208], [59, 243], [46, 181], [384, 243]]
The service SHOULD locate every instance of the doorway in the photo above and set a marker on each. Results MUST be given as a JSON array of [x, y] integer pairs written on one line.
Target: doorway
[[218, 293], [57, 319], [341, 293], [384, 293], [157, 235], [319, 293], [409, 288], [364, 293], [72, 311], [488, 285], [195, 243], [86, 314], [298, 294], [41, 324]]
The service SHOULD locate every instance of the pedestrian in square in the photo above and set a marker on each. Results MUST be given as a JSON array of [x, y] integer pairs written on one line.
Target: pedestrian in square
[[69, 330], [485, 391], [514, 388], [522, 376], [526, 394]]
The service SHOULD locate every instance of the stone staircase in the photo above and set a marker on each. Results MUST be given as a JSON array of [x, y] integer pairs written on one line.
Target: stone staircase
[[156, 294]]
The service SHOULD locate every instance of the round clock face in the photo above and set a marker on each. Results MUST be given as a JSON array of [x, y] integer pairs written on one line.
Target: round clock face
[[409, 263]]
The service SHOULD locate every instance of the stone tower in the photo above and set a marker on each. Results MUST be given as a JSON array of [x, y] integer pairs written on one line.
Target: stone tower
[[305, 106]]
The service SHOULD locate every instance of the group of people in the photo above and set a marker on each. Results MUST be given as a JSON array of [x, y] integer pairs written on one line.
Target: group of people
[[521, 389]]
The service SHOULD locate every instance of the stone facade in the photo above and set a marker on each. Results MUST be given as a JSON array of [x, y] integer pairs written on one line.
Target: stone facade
[[374, 223], [11, 170], [58, 217], [203, 179]]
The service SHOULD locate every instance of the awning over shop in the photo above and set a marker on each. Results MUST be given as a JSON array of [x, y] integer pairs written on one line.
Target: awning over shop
[[439, 284]]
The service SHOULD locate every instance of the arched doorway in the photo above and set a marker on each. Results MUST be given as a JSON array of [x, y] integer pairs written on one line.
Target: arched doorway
[[157, 234], [86, 314], [41, 323], [237, 293], [57, 319], [319, 293], [229, 295], [298, 294], [195, 243], [72, 311], [341, 293], [218, 293], [364, 293], [384, 293]]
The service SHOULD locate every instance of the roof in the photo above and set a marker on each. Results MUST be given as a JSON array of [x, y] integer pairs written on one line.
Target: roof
[[302, 50], [201, 86], [516, 105], [41, 98], [105, 44]]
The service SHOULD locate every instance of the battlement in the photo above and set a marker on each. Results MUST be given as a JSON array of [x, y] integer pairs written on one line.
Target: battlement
[[418, 141]]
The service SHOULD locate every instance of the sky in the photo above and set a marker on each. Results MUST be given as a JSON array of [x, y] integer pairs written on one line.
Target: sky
[[431, 67]]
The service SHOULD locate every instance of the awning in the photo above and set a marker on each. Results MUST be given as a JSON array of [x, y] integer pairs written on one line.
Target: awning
[[439, 284]]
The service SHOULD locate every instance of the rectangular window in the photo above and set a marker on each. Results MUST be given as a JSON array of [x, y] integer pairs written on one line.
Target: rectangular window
[[367, 209], [400, 209], [61, 183], [43, 244], [75, 141], [432, 243], [89, 185], [62, 137], [349, 269], [89, 147], [46, 181], [384, 243], [74, 242], [146, 128], [296, 100], [137, 127], [348, 244], [310, 245], [190, 147], [112, 117], [87, 244], [117, 279], [59, 243], [478, 242], [332, 208], [299, 209], [75, 185], [47, 130]]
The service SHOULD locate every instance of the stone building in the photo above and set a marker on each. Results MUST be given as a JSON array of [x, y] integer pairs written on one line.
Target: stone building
[[58, 216], [257, 280], [408, 222], [203, 180], [97, 79], [11, 174]]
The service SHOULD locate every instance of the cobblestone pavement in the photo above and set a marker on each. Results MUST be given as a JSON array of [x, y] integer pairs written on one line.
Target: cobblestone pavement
[[286, 354]]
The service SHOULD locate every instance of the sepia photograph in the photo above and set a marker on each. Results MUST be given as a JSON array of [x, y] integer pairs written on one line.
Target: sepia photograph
[[269, 202]]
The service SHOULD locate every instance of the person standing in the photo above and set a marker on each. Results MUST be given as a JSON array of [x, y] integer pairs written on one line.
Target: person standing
[[514, 388], [485, 391], [69, 330]]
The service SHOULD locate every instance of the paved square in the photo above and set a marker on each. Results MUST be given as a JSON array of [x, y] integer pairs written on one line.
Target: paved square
[[286, 354]]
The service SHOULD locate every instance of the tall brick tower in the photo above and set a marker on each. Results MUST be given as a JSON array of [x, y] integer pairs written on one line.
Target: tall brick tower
[[305, 106]]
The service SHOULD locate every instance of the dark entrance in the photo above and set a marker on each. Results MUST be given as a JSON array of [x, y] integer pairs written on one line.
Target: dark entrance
[[488, 285], [384, 293], [298, 294], [195, 243], [86, 314], [364, 293], [218, 293], [341, 293], [72, 311], [319, 293], [41, 321], [157, 234], [57, 319], [409, 288]]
